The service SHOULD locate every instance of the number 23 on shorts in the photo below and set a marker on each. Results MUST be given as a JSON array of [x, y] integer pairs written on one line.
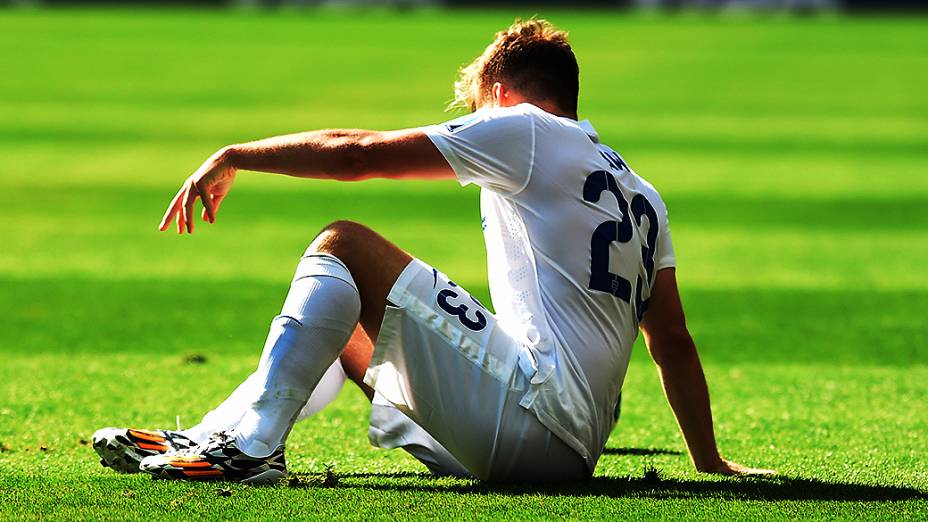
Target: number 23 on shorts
[[470, 316]]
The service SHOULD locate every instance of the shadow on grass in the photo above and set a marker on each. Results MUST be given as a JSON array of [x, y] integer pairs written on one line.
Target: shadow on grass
[[652, 485], [640, 452]]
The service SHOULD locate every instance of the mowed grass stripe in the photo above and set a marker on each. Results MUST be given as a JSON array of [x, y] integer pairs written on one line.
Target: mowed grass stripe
[[738, 326], [721, 241], [706, 131], [719, 57], [443, 202], [796, 175]]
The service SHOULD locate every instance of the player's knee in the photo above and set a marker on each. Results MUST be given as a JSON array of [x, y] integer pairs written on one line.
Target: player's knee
[[344, 227], [338, 236]]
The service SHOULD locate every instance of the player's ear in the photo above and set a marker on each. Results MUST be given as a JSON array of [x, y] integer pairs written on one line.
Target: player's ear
[[499, 94]]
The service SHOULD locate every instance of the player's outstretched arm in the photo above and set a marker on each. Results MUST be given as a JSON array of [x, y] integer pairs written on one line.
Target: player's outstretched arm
[[346, 155], [674, 352]]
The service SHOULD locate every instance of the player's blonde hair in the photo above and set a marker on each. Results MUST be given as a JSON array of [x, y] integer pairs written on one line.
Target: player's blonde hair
[[531, 56]]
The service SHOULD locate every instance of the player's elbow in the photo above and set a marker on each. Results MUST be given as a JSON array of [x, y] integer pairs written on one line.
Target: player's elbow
[[360, 157], [346, 155], [351, 162]]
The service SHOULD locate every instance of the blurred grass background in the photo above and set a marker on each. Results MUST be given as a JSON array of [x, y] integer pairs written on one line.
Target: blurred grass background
[[791, 152]]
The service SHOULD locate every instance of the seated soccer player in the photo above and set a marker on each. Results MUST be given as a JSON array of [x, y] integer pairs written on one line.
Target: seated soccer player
[[580, 258]]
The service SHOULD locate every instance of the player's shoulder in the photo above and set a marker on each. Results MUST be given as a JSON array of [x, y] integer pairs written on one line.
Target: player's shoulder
[[628, 177], [647, 189]]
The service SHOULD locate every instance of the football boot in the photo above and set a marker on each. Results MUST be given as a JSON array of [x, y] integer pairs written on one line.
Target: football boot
[[122, 449], [219, 458]]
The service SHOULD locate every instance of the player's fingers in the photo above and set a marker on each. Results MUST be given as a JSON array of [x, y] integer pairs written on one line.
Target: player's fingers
[[190, 199], [217, 200], [205, 197], [171, 211], [169, 215], [183, 215], [181, 223]]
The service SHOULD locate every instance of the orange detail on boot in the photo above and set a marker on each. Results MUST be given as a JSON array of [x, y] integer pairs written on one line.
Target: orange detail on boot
[[203, 473], [147, 435], [153, 447]]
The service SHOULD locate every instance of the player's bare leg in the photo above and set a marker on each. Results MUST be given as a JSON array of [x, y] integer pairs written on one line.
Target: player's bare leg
[[374, 263], [356, 358], [361, 249]]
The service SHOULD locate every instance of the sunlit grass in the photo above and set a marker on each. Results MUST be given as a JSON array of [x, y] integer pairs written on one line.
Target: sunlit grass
[[791, 153]]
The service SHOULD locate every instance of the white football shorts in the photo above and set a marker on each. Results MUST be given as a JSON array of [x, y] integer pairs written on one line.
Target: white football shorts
[[448, 388]]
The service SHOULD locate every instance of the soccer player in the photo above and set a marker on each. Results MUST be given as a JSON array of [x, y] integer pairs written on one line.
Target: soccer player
[[580, 258]]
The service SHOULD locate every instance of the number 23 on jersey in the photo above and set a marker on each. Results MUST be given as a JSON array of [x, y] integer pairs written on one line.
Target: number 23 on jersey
[[608, 232]]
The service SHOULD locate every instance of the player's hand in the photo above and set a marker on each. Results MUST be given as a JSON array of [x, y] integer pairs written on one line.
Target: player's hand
[[210, 184], [727, 467]]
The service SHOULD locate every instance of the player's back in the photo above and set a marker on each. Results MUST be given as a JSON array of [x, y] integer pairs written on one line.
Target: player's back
[[594, 226], [574, 239]]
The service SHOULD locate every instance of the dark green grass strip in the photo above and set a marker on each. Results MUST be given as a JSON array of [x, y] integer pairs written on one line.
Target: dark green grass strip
[[734, 326], [446, 204]]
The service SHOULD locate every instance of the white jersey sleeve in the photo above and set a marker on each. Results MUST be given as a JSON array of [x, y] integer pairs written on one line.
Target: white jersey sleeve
[[664, 256], [492, 148]]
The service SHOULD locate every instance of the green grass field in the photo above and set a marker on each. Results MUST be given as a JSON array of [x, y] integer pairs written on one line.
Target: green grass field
[[793, 154]]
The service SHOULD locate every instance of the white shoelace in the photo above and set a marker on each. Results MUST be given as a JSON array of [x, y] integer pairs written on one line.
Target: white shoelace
[[216, 438]]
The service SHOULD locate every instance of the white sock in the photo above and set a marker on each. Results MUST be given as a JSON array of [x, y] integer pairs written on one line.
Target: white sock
[[325, 392], [227, 415], [317, 319]]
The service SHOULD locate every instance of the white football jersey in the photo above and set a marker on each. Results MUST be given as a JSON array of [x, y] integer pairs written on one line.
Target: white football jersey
[[574, 239]]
